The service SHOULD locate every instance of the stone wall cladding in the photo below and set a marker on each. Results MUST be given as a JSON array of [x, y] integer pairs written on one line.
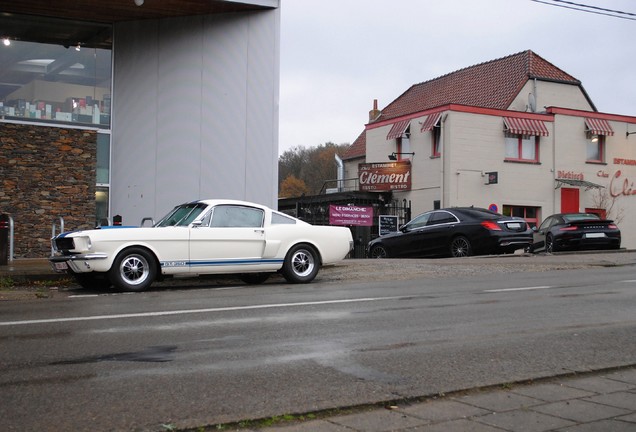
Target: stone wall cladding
[[46, 173]]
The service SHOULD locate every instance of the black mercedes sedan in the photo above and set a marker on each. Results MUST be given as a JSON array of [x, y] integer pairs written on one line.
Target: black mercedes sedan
[[575, 231], [456, 232]]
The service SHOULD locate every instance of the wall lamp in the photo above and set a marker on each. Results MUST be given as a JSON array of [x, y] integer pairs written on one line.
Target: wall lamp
[[629, 133], [394, 155]]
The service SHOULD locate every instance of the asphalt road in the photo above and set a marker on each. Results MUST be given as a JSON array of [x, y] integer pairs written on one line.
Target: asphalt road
[[192, 354]]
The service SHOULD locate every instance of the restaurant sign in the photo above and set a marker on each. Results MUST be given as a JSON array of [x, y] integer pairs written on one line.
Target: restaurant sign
[[385, 176], [350, 215]]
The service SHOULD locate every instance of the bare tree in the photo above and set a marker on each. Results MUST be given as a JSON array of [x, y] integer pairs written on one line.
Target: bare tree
[[314, 165], [603, 200]]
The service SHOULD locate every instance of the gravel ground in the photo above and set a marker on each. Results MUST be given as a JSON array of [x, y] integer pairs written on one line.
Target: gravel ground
[[360, 270], [357, 270]]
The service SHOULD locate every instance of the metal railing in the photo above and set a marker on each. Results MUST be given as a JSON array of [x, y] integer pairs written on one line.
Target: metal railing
[[11, 234]]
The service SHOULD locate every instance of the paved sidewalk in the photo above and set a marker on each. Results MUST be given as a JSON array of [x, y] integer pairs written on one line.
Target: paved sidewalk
[[594, 402]]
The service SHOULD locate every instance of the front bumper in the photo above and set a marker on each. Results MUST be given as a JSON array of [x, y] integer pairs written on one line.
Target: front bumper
[[75, 263]]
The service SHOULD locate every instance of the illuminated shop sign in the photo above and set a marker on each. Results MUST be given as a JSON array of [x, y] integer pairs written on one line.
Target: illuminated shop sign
[[385, 176]]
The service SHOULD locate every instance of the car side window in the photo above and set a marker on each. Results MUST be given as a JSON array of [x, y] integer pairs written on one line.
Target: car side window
[[230, 216], [418, 222], [441, 217], [281, 219], [547, 223]]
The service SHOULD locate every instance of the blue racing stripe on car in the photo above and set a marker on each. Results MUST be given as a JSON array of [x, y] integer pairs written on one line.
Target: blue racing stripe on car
[[219, 263]]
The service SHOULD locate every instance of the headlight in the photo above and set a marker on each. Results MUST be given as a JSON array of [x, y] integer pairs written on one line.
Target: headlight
[[82, 243]]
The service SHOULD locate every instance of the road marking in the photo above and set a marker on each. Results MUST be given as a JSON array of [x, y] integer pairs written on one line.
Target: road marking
[[197, 311], [628, 281], [519, 289]]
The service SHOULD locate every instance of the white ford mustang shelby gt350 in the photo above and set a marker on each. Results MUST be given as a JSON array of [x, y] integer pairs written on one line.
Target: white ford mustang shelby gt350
[[201, 237]]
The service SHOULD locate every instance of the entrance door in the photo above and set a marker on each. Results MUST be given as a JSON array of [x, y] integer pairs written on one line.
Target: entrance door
[[569, 200]]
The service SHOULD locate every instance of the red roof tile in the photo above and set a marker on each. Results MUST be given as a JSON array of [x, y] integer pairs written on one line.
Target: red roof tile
[[358, 149], [493, 84]]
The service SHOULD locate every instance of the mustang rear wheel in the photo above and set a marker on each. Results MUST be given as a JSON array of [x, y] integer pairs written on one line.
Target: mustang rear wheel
[[460, 247], [134, 269], [301, 264]]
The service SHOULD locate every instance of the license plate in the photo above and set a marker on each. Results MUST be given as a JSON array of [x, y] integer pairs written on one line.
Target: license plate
[[514, 225], [61, 266], [594, 235]]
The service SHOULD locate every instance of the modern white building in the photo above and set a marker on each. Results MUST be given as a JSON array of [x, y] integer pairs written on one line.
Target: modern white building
[[516, 134], [127, 108]]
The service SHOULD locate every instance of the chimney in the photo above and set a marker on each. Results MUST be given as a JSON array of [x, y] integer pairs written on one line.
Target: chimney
[[375, 112]]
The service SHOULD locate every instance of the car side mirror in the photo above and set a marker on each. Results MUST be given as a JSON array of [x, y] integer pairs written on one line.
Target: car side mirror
[[196, 224]]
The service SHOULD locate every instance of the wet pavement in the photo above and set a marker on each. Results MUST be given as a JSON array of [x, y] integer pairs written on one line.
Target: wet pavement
[[594, 400]]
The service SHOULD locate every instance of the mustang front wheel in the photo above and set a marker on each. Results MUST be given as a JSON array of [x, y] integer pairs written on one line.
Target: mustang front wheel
[[301, 264], [134, 269]]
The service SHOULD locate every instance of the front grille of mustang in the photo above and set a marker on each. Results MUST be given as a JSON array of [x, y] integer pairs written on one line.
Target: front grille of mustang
[[65, 243]]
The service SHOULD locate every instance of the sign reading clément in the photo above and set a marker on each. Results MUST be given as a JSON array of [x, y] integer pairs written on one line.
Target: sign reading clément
[[385, 176]]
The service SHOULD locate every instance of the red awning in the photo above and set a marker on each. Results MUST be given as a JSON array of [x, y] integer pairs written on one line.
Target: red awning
[[598, 126], [398, 129], [524, 126], [430, 122]]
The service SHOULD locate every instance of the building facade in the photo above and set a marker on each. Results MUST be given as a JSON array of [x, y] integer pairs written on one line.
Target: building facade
[[128, 108], [517, 135]]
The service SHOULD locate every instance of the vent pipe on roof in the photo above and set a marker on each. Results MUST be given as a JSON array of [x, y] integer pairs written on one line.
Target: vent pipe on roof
[[340, 172]]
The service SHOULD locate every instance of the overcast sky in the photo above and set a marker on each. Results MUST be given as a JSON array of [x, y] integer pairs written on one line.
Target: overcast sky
[[339, 55]]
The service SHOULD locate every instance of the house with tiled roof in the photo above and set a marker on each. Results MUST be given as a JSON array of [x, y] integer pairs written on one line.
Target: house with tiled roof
[[516, 134]]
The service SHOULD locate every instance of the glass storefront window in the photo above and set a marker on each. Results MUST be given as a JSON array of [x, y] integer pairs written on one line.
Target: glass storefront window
[[101, 201], [103, 159], [55, 83]]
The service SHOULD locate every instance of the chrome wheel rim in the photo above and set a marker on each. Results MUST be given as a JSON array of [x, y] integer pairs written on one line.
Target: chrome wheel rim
[[303, 263], [134, 269]]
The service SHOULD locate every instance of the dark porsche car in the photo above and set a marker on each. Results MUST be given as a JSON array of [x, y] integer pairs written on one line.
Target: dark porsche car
[[575, 231], [456, 232]]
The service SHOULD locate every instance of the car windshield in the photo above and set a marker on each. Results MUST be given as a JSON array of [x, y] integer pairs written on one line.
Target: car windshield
[[580, 217], [182, 215]]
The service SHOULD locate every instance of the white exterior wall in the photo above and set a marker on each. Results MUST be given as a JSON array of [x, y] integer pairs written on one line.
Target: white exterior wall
[[548, 94], [195, 112], [617, 175], [425, 170], [478, 147]]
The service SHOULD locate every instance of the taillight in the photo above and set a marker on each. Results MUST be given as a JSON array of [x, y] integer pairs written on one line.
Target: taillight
[[569, 228], [490, 225], [612, 226]]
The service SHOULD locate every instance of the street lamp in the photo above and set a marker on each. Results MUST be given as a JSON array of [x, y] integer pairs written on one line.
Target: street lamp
[[393, 156]]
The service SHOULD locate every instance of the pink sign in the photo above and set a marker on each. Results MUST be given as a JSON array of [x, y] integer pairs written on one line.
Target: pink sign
[[350, 215]]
